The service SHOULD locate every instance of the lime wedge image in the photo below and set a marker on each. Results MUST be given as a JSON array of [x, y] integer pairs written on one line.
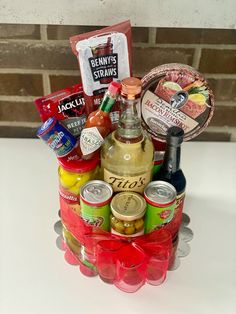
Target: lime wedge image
[[172, 85]]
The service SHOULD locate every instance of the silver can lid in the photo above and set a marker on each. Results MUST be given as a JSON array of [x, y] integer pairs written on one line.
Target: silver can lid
[[160, 193], [128, 206], [96, 192]]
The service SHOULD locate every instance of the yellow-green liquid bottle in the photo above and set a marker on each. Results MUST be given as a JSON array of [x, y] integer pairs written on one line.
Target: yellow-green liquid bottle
[[127, 154]]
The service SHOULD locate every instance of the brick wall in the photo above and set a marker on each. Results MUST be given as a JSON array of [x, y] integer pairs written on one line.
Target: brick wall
[[35, 60]]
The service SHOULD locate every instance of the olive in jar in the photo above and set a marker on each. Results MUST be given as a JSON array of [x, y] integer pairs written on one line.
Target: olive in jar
[[128, 210]]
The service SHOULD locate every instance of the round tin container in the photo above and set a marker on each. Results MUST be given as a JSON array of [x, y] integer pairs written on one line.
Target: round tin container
[[175, 95], [128, 209], [161, 201], [57, 137], [95, 197]]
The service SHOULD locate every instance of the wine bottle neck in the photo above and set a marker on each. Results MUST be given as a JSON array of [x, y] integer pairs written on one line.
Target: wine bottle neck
[[171, 162]]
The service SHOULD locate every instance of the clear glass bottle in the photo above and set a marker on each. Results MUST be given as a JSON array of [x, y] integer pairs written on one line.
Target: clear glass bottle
[[127, 154]]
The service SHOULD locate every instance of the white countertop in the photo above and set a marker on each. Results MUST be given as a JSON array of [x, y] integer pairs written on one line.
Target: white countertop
[[35, 279]]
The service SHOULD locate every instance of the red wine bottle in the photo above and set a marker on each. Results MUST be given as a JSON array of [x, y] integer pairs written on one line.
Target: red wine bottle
[[170, 172]]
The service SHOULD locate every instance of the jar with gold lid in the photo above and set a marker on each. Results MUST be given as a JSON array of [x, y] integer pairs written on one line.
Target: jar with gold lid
[[127, 214]]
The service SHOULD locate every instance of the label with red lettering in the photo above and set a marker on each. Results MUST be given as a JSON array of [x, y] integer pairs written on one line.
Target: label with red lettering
[[159, 115], [69, 197], [175, 95]]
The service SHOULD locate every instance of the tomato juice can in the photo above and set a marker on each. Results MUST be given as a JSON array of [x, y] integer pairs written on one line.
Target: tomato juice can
[[95, 198], [161, 200], [57, 137]]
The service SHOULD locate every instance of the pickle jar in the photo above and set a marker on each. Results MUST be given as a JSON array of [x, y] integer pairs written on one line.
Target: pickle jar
[[127, 214], [75, 173], [72, 175]]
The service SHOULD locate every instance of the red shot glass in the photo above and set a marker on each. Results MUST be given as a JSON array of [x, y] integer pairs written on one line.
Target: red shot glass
[[157, 266], [130, 268], [106, 259]]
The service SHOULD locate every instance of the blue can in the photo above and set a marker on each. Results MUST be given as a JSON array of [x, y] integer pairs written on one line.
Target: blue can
[[57, 137]]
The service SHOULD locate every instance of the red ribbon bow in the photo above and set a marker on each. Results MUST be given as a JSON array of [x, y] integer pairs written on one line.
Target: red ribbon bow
[[144, 257]]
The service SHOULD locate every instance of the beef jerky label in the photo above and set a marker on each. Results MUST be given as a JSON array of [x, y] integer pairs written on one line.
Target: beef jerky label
[[105, 66], [74, 125], [90, 140], [73, 108], [72, 105]]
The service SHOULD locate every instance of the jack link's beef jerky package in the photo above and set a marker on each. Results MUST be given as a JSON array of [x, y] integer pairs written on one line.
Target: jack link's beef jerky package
[[66, 105], [104, 56]]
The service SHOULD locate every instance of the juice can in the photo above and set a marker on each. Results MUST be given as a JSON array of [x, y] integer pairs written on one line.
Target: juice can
[[161, 199], [95, 198], [57, 137]]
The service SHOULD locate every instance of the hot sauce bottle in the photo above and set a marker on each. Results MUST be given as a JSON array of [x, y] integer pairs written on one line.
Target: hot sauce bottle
[[170, 172], [98, 124]]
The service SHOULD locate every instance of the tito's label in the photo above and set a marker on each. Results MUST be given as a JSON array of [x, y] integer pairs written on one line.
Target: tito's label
[[125, 183]]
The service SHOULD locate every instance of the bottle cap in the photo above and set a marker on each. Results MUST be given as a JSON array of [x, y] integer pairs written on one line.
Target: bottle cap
[[175, 135], [78, 165], [96, 192], [114, 88], [131, 87]]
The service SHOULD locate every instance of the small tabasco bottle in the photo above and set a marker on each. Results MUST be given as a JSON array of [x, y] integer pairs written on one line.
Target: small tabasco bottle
[[98, 124], [171, 172]]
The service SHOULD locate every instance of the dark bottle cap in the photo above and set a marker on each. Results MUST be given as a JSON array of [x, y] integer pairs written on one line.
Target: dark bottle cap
[[175, 136]]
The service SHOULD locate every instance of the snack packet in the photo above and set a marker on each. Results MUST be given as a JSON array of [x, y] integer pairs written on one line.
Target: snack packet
[[104, 56], [66, 105]]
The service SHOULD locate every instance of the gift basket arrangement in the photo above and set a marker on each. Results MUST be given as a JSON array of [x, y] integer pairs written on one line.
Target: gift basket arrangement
[[117, 140]]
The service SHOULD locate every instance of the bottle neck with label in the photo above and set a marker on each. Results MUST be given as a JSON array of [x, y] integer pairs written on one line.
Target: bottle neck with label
[[170, 170], [107, 102], [129, 127]]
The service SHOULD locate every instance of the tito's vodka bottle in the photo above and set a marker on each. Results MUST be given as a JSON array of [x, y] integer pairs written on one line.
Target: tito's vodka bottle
[[127, 154]]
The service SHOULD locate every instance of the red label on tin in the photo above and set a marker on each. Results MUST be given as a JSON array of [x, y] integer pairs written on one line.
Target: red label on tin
[[69, 197]]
